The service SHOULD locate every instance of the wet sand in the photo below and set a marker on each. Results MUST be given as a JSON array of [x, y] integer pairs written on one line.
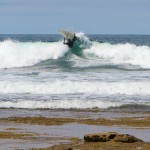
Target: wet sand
[[34, 129]]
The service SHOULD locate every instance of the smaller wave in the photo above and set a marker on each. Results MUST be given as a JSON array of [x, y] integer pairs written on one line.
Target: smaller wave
[[72, 104], [56, 104], [125, 55], [69, 87]]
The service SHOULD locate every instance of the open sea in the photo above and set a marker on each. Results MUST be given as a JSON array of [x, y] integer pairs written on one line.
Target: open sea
[[101, 71]]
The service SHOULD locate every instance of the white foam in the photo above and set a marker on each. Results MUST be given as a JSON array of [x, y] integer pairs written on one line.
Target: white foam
[[55, 104], [121, 54], [68, 87], [19, 54]]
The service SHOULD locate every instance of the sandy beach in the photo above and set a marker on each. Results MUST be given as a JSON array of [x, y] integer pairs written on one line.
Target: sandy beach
[[63, 129]]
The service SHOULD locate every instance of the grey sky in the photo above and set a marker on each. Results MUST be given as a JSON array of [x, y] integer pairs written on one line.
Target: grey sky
[[89, 16]]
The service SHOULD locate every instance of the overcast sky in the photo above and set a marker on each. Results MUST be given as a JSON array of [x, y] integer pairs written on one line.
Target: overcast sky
[[88, 16]]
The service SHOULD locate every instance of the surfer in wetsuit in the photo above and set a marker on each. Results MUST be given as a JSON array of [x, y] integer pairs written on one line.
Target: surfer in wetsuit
[[70, 42]]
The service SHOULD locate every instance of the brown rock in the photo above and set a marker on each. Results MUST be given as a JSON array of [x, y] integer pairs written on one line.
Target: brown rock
[[111, 136], [100, 137], [69, 148], [126, 138]]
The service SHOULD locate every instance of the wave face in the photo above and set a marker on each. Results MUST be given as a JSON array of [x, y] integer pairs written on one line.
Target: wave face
[[48, 74]]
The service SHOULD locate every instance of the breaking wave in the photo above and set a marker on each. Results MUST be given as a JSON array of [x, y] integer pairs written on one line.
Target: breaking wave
[[23, 54]]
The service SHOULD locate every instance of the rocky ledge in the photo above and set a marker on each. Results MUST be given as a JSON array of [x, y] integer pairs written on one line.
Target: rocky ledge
[[111, 136]]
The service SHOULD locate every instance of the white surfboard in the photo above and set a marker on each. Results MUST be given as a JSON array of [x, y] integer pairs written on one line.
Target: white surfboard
[[66, 34]]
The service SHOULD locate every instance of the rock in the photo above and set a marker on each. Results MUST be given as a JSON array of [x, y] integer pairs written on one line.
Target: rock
[[69, 148], [95, 137], [111, 136], [126, 138], [100, 137]]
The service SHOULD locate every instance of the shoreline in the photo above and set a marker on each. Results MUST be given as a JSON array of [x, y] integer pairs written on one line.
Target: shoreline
[[143, 122], [63, 128]]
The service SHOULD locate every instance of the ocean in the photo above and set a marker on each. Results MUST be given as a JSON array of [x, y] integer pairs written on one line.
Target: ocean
[[100, 72]]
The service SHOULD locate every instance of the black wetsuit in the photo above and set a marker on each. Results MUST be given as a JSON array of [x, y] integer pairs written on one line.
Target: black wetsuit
[[70, 42]]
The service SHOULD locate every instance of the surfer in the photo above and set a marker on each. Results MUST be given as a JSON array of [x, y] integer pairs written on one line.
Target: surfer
[[69, 41]]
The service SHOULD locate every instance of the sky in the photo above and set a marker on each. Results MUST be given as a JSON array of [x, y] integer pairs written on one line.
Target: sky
[[88, 16]]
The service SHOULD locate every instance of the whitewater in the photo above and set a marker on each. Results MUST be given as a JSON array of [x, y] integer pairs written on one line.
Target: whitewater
[[102, 71]]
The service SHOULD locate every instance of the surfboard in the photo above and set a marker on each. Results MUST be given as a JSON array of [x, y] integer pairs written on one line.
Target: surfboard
[[66, 34]]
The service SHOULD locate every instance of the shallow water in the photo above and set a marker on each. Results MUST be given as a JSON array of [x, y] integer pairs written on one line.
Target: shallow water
[[52, 135]]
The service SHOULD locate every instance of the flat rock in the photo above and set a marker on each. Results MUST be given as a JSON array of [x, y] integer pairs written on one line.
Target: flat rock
[[100, 137], [111, 136]]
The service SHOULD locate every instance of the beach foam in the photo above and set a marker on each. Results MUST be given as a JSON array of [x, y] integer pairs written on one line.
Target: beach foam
[[68, 87], [55, 104]]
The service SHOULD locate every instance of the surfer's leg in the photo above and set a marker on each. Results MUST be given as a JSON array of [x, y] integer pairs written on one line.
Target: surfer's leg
[[64, 41]]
